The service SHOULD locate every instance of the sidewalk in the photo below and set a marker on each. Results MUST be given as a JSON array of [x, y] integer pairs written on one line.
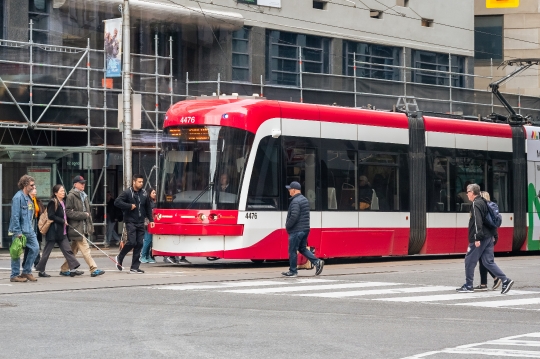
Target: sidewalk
[[56, 253]]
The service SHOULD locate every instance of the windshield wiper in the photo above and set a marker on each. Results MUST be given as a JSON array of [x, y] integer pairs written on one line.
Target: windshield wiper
[[210, 185]]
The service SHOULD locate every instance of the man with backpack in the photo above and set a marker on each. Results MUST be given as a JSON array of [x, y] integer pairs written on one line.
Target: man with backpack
[[135, 204], [481, 233]]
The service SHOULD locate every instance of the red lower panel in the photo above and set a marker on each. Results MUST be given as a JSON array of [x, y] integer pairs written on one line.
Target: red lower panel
[[462, 240], [506, 237], [439, 241], [352, 243], [198, 229]]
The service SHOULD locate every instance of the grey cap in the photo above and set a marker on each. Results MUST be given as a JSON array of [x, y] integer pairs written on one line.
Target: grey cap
[[294, 185]]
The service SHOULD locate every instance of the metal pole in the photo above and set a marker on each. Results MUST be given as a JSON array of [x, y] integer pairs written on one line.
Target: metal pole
[[450, 79], [170, 71], [88, 89], [300, 66], [262, 89], [187, 84], [126, 95], [491, 80], [354, 77], [31, 101], [218, 84], [519, 101], [404, 74], [157, 105], [105, 137]]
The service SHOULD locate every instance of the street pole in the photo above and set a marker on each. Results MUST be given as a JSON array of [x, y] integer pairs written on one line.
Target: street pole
[[126, 95]]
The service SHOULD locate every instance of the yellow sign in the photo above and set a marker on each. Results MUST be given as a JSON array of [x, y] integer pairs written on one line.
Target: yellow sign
[[490, 4]]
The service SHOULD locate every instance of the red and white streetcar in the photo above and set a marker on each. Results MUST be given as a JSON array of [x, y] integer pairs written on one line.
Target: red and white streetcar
[[378, 183]]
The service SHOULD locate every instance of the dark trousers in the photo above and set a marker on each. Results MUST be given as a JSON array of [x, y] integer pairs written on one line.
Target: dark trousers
[[135, 240], [64, 246], [483, 273], [484, 253], [298, 243]]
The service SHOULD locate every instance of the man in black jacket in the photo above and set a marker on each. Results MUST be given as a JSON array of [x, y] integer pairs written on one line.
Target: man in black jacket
[[135, 204], [480, 243], [297, 226]]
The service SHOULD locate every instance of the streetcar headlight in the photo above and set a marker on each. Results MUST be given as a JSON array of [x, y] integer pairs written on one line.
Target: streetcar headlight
[[201, 216]]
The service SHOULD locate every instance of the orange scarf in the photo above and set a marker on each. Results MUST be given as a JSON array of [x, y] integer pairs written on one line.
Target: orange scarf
[[36, 207]]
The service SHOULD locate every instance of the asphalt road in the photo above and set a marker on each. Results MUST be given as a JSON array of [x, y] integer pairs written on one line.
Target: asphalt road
[[375, 308]]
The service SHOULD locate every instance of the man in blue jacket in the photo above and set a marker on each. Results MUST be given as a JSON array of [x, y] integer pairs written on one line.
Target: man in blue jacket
[[480, 243], [22, 215], [297, 226]]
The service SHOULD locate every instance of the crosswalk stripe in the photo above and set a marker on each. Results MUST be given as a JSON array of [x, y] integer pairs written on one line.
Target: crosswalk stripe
[[223, 285], [358, 293], [451, 296], [493, 352], [310, 287], [503, 303]]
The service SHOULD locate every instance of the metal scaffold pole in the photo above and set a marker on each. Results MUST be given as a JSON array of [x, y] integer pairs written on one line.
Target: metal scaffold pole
[[126, 95]]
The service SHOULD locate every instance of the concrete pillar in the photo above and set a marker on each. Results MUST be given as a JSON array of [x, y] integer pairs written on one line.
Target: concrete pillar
[[257, 41], [469, 69], [336, 56], [16, 20]]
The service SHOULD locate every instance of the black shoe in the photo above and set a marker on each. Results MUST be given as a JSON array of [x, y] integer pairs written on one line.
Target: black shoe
[[507, 284], [118, 264], [136, 271], [319, 267], [496, 283], [289, 274], [43, 275], [480, 288], [465, 289], [73, 273]]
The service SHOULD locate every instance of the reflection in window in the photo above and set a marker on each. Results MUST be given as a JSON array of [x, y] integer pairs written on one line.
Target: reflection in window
[[342, 190], [437, 64], [439, 192], [501, 184], [38, 12], [264, 188], [376, 55], [469, 170], [282, 56], [240, 55], [488, 38], [378, 181], [302, 167]]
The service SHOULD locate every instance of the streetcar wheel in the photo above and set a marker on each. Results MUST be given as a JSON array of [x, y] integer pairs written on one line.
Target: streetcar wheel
[[257, 261], [211, 259]]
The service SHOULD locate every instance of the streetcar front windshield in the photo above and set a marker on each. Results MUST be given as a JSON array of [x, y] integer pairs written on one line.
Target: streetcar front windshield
[[203, 167]]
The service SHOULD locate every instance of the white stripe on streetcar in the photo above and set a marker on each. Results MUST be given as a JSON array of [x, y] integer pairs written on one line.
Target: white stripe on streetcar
[[223, 285], [503, 303], [358, 293], [310, 287], [452, 296]]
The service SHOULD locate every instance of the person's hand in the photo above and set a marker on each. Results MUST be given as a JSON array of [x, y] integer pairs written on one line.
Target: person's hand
[[133, 207], [87, 214], [477, 243]]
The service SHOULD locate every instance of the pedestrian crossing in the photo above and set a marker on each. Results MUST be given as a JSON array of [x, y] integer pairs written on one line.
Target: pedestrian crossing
[[518, 346], [391, 292]]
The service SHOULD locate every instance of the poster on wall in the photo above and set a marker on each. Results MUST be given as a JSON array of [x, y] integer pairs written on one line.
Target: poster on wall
[[42, 178], [113, 47]]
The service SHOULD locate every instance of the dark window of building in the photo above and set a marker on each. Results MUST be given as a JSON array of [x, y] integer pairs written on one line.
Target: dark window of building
[[240, 55], [282, 56], [371, 60], [488, 38], [433, 68], [1, 19], [320, 5], [38, 12]]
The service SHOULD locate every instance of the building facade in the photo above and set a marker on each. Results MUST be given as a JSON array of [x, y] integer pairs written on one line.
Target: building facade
[[59, 112]]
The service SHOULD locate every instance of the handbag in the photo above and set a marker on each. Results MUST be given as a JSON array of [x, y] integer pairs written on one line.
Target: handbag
[[44, 222], [16, 247]]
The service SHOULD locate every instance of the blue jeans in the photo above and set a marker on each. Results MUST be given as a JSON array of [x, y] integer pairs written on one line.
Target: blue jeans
[[145, 253], [111, 232], [298, 242], [33, 251]]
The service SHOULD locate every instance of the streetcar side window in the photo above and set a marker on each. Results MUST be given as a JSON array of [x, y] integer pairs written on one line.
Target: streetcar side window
[[500, 180], [264, 191], [471, 167], [440, 168], [339, 175], [302, 165]]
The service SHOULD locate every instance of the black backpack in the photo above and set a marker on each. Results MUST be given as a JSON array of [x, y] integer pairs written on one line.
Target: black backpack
[[493, 218]]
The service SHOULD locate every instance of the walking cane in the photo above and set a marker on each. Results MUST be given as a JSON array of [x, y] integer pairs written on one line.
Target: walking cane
[[92, 243]]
